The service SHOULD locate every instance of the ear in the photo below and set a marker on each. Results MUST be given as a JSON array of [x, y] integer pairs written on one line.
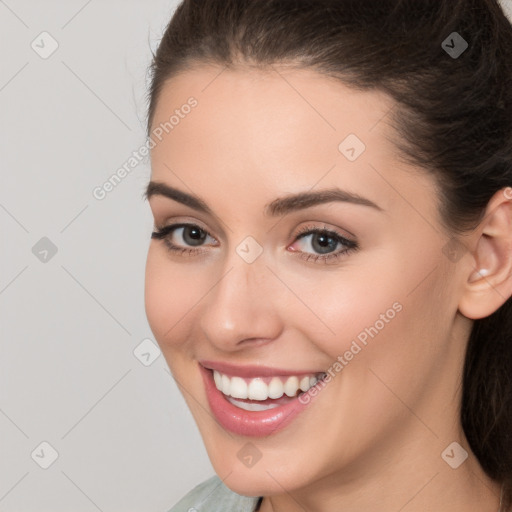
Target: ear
[[489, 277]]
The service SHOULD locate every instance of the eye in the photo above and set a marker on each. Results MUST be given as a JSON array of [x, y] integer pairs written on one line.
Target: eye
[[189, 238], [324, 242], [182, 238]]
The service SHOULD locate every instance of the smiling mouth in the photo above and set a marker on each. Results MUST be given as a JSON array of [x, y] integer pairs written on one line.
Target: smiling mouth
[[262, 393], [262, 402]]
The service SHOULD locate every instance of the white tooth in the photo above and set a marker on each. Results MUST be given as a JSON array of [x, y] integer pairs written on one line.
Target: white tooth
[[304, 383], [251, 407], [275, 388], [258, 390], [225, 384], [291, 385], [218, 380], [238, 387]]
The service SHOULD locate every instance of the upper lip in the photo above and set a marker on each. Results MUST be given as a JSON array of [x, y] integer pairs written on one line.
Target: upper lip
[[251, 371]]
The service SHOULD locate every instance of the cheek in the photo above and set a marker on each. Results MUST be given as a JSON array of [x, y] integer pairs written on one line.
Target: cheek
[[377, 315], [392, 336], [170, 294], [348, 309]]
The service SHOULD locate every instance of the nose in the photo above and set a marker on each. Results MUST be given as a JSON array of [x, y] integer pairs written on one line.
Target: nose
[[241, 309]]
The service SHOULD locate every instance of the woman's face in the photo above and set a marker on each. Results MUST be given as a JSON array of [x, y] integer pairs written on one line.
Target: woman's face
[[255, 283]]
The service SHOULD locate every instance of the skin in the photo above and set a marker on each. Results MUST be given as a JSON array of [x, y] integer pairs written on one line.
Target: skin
[[373, 437]]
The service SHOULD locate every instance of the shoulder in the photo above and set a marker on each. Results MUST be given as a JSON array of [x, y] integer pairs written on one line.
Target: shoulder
[[213, 496]]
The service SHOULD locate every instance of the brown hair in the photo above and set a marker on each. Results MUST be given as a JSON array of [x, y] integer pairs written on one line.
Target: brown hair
[[453, 117]]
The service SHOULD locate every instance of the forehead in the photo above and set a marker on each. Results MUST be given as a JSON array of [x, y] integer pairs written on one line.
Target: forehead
[[276, 129], [278, 98]]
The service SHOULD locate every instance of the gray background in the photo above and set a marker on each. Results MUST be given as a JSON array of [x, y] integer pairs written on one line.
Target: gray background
[[69, 326], [72, 323]]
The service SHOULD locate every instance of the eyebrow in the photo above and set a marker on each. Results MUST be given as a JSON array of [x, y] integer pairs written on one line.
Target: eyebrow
[[280, 206]]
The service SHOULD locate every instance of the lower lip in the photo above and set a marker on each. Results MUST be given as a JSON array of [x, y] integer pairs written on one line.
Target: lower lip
[[248, 423]]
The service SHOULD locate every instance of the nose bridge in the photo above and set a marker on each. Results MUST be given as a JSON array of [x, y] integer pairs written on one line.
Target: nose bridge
[[241, 303]]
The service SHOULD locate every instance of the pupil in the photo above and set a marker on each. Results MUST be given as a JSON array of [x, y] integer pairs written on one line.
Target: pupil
[[193, 235], [324, 245]]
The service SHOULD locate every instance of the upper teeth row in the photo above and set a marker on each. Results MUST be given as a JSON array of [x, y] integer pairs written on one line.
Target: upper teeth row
[[257, 389]]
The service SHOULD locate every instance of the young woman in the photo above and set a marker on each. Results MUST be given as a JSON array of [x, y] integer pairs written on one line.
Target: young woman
[[330, 275]]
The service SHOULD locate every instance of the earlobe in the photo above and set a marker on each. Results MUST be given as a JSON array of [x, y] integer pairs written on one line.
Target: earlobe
[[489, 282]]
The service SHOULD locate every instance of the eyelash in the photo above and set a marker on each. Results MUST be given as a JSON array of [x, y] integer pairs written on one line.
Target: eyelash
[[351, 245]]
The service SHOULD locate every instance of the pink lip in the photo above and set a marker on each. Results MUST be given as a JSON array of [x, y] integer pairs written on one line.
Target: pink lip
[[248, 423], [253, 371]]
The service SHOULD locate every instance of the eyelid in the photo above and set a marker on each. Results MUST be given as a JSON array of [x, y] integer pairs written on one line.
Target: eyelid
[[350, 244], [338, 232], [162, 232], [182, 220]]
